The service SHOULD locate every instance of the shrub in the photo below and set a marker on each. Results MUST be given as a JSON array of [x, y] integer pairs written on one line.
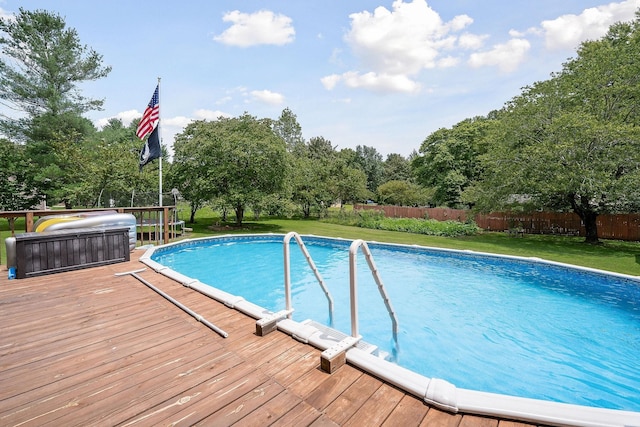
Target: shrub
[[375, 219]]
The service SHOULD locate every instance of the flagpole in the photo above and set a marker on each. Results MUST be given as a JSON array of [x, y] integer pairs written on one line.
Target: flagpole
[[160, 163]]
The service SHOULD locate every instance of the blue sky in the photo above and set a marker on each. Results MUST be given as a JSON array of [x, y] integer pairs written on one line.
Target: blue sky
[[380, 73]]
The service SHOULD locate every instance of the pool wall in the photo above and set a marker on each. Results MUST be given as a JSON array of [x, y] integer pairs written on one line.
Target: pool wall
[[433, 391]]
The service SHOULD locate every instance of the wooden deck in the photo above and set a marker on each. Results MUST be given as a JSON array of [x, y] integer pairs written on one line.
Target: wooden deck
[[89, 348]]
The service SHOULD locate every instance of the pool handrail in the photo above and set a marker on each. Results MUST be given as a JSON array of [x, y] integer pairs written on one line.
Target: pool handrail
[[353, 279], [312, 265]]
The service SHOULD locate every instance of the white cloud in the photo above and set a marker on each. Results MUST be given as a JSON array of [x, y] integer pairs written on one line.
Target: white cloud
[[568, 31], [471, 41], [396, 45], [448, 61], [505, 56], [268, 97], [223, 100], [262, 27], [126, 117], [335, 56], [405, 40], [178, 122], [330, 82], [211, 115], [383, 83]]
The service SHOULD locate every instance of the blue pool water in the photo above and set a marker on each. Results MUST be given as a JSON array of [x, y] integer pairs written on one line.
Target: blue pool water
[[480, 322]]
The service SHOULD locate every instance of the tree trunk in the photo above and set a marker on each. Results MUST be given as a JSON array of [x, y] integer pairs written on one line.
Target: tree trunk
[[239, 214], [590, 227], [192, 218], [587, 215]]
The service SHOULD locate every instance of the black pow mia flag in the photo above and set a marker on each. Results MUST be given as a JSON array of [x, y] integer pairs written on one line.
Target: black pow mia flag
[[151, 149]]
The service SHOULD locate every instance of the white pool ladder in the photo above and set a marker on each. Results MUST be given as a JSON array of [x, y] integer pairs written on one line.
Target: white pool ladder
[[334, 356], [312, 265], [353, 279]]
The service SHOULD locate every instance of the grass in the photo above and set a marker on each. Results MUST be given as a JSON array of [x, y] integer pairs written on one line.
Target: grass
[[616, 256]]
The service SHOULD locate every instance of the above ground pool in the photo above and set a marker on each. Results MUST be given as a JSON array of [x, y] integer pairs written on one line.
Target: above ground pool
[[494, 324]]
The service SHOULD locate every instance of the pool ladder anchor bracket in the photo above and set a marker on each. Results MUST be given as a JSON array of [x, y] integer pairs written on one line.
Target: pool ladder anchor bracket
[[336, 356], [268, 324]]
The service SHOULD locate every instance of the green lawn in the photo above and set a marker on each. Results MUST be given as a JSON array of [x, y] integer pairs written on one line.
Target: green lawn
[[611, 255]]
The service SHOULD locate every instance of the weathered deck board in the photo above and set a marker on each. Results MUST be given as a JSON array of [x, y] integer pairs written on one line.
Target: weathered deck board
[[88, 348]]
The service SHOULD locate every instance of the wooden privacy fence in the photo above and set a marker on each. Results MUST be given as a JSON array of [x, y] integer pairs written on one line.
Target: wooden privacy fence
[[618, 227]]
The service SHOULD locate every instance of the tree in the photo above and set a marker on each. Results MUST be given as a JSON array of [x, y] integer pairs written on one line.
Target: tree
[[313, 169], [350, 185], [403, 193], [572, 142], [288, 128], [187, 172], [238, 160], [310, 184], [320, 148], [370, 161], [450, 160], [19, 190], [396, 168], [42, 64], [349, 182], [114, 174]]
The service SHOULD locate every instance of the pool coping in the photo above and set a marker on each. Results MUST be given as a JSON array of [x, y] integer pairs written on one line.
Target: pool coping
[[433, 391]]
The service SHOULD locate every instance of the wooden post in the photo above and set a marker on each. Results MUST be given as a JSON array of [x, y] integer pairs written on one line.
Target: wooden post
[[334, 357], [165, 220], [28, 222]]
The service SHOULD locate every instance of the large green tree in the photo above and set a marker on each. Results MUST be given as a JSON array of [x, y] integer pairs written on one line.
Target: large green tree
[[114, 175], [449, 160], [349, 183], [313, 174], [288, 128], [237, 160], [403, 193], [397, 168], [573, 142], [370, 162], [187, 172], [42, 66]]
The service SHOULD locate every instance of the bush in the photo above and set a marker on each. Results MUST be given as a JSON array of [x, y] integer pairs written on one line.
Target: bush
[[430, 227], [375, 219]]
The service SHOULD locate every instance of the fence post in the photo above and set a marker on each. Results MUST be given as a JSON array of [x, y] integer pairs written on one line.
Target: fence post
[[28, 222]]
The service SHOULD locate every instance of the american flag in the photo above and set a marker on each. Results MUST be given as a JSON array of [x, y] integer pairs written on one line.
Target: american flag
[[150, 117]]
